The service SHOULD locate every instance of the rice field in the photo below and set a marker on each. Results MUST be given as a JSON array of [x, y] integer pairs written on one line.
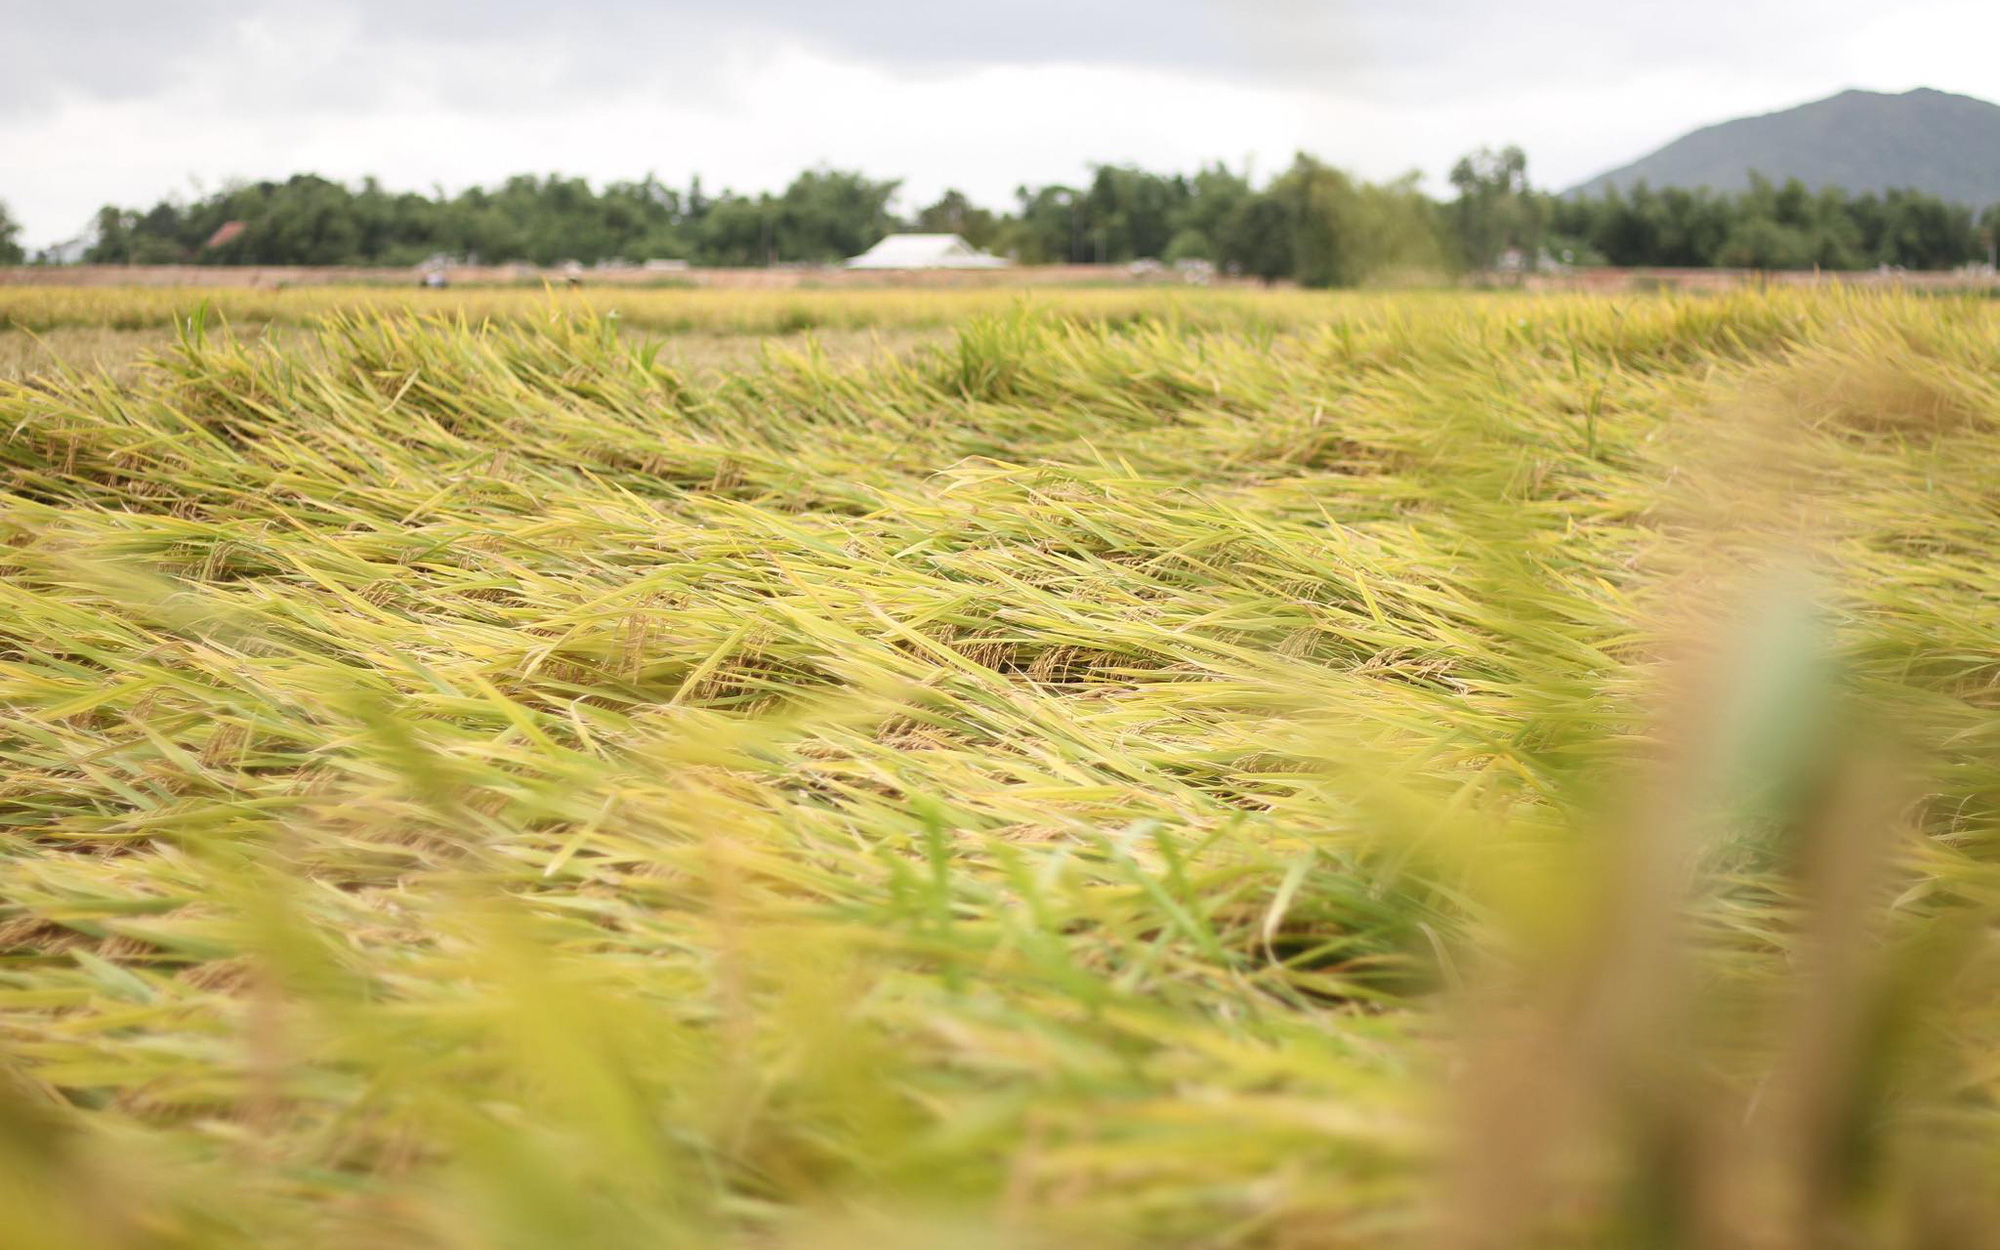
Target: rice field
[[1111, 769], [659, 310], [122, 354]]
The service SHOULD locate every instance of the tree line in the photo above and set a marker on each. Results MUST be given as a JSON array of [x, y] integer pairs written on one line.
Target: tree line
[[1312, 223], [1766, 226]]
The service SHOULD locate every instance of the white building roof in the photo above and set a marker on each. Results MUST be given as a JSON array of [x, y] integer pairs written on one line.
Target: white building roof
[[925, 251]]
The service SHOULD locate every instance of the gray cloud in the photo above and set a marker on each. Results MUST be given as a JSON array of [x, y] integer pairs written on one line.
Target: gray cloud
[[121, 49], [97, 50], [112, 49]]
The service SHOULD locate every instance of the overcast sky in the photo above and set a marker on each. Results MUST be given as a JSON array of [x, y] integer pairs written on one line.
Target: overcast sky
[[129, 100]]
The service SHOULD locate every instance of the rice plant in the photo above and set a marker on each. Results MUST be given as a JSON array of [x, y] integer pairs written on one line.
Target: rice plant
[[1208, 770]]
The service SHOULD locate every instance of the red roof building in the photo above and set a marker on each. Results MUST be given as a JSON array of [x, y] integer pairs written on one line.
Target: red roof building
[[224, 233]]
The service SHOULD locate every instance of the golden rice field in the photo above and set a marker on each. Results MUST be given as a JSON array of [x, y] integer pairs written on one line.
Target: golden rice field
[[1106, 769], [660, 310]]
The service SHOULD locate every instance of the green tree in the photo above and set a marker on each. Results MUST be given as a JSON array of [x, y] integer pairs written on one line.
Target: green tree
[[1047, 227], [1189, 244], [1213, 194], [1131, 213], [737, 231], [1765, 243], [829, 215], [954, 213], [1257, 238], [1496, 211], [1345, 232], [1320, 203], [1923, 232], [1770, 225], [10, 234]]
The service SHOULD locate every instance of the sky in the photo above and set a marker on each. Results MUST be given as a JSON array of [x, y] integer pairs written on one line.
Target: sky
[[129, 101]]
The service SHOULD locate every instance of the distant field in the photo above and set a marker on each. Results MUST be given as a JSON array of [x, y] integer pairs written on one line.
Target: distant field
[[1053, 280], [114, 327], [122, 353], [24, 353], [657, 310], [1100, 769], [778, 278]]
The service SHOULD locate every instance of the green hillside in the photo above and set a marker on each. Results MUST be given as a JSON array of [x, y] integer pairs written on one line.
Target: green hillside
[[1948, 145]]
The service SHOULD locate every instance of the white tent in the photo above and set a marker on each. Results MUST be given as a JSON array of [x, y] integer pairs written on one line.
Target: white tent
[[925, 251]]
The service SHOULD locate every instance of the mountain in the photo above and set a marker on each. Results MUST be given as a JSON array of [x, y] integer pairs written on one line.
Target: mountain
[[1948, 145]]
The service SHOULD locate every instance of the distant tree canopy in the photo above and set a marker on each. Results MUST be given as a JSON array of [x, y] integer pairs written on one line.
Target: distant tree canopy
[[823, 215], [1311, 223], [1772, 227], [10, 233], [955, 213], [1496, 211]]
